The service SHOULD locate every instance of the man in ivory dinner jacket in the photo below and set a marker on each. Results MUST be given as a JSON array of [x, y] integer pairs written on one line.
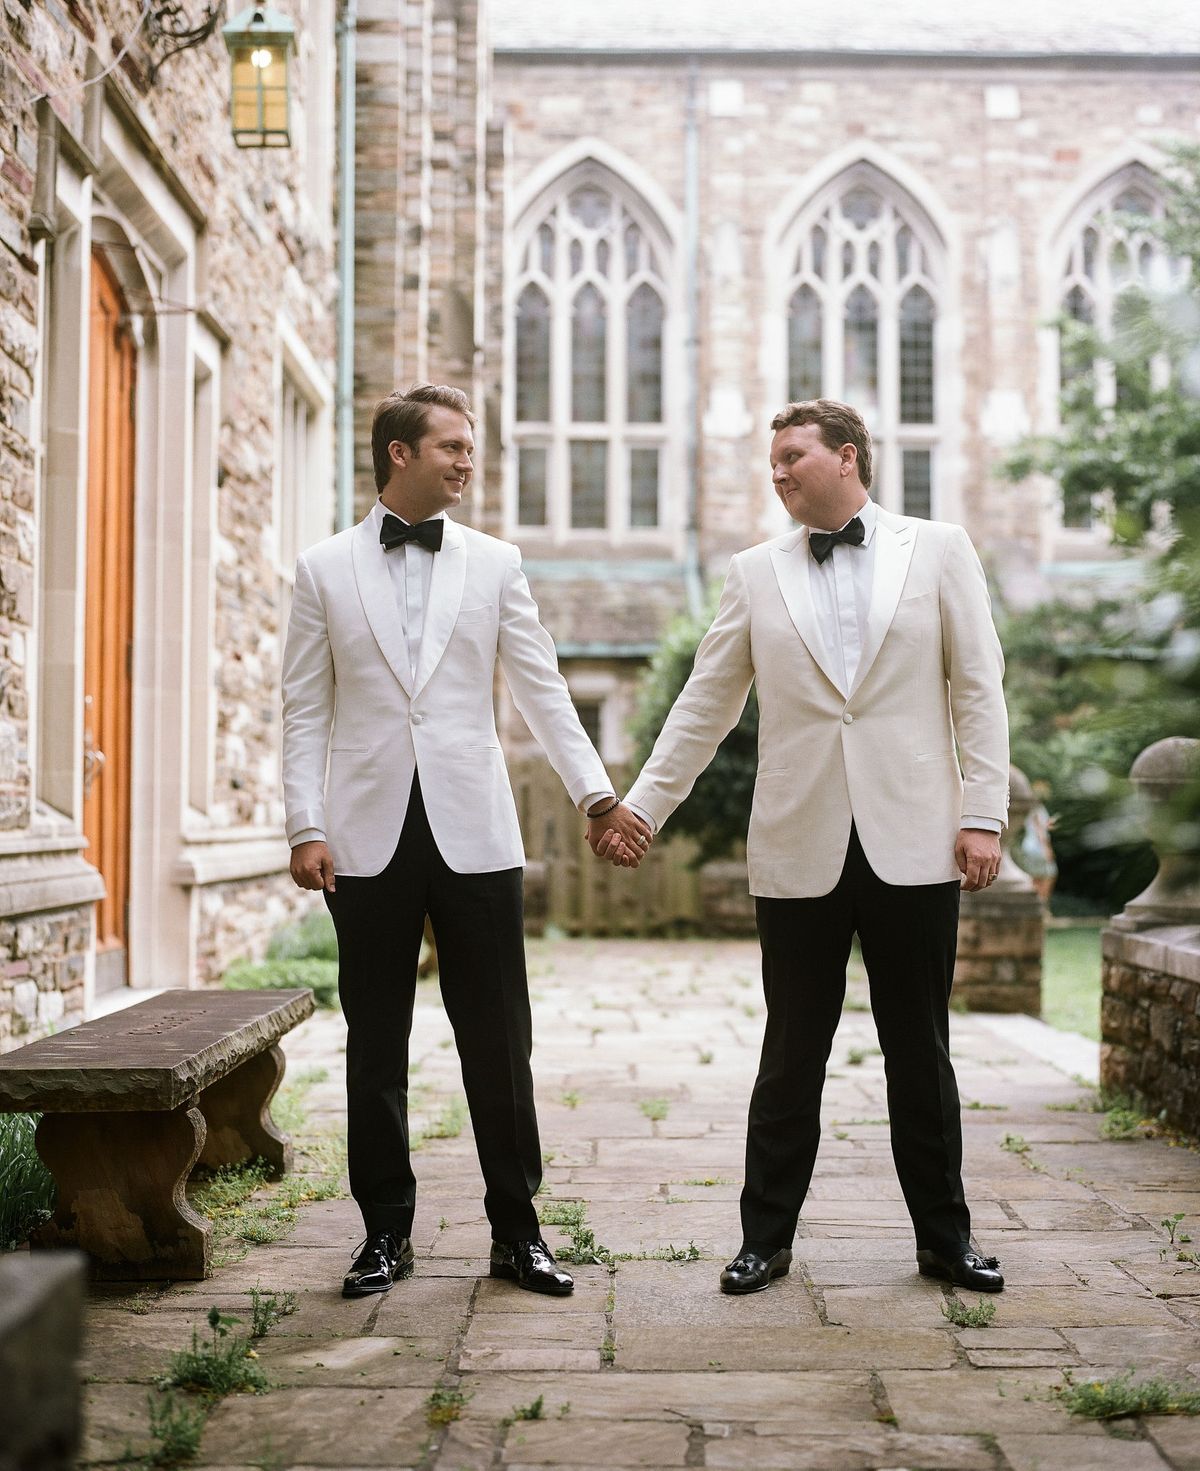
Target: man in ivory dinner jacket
[[870, 641], [388, 673]]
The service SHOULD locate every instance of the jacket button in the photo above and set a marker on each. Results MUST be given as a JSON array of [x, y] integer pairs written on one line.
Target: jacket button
[[416, 718], [847, 719]]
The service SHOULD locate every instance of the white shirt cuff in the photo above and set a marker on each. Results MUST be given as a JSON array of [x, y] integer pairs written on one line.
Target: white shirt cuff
[[308, 835], [644, 815], [985, 824], [593, 798]]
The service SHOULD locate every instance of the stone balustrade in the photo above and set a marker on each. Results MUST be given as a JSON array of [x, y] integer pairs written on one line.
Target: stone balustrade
[[1001, 929], [1150, 1007]]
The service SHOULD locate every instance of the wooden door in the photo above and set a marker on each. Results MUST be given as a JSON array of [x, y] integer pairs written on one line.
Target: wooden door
[[108, 656]]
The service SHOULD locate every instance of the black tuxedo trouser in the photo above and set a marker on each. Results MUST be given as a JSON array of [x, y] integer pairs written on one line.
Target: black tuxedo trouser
[[477, 919], [908, 938]]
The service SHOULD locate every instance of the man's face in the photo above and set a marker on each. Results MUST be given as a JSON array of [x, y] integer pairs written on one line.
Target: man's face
[[438, 474], [807, 475]]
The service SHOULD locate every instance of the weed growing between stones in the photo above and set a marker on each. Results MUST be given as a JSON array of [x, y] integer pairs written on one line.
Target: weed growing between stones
[[445, 1406], [1109, 1399], [287, 1107], [227, 1365], [175, 1428], [534, 1411], [570, 1099], [979, 1316], [976, 1107], [266, 1310], [585, 1250], [1015, 1144], [709, 1180], [26, 1186], [448, 1124], [655, 1109]]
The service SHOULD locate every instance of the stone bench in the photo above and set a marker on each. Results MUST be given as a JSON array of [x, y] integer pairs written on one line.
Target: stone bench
[[132, 1101]]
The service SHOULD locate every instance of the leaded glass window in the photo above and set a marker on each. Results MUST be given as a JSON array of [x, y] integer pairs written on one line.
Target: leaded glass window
[[1112, 260], [864, 279], [592, 322]]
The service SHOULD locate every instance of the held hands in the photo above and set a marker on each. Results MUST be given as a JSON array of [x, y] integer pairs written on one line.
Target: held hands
[[312, 866], [619, 837], [977, 854]]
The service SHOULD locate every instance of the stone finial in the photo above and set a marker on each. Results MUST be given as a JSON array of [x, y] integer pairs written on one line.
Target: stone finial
[[1011, 878], [1159, 775]]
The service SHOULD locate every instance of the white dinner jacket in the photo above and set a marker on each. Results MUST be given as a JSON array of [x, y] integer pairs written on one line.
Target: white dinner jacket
[[352, 703], [880, 754]]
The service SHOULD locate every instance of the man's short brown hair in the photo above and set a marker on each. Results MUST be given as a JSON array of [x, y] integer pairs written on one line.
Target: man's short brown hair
[[839, 424], [404, 416]]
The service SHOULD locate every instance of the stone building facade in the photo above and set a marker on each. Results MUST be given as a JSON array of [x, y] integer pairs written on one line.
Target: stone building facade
[[891, 208], [166, 411]]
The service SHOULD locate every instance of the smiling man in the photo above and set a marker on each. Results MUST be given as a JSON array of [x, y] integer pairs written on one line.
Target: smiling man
[[396, 628], [869, 639]]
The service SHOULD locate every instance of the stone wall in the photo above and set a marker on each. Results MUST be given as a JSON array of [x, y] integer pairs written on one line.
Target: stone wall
[[258, 249], [43, 968], [235, 921], [994, 183], [1150, 1020]]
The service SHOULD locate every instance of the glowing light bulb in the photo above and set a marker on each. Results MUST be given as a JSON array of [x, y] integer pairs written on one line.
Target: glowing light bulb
[[261, 58]]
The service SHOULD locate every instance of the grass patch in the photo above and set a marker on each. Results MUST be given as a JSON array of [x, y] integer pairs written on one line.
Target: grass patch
[[445, 1406], [1110, 1399], [979, 1316], [570, 1099], [976, 1107], [175, 1429], [533, 1411], [1123, 1121], [655, 1109], [708, 1180], [448, 1124], [1071, 980], [1015, 1144], [226, 1365], [266, 1310], [287, 1107], [27, 1191]]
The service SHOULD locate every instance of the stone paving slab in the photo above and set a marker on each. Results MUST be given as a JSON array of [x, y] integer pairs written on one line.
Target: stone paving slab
[[847, 1364]]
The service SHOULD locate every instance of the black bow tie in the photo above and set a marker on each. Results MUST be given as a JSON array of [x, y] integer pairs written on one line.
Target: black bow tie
[[394, 533], [821, 543]]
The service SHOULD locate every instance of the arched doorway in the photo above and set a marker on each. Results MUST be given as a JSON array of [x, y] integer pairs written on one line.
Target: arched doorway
[[108, 629]]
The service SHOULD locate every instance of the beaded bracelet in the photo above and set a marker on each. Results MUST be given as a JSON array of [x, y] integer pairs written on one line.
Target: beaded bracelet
[[605, 811]]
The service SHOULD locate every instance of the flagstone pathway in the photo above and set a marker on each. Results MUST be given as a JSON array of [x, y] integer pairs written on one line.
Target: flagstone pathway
[[644, 1058]]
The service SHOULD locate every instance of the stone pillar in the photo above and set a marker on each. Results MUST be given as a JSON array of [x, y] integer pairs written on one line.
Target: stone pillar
[[41, 1333], [1150, 1004], [1001, 930]]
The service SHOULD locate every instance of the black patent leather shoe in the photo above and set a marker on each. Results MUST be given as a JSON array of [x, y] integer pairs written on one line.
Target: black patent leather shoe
[[968, 1269], [749, 1272], [530, 1264], [382, 1259]]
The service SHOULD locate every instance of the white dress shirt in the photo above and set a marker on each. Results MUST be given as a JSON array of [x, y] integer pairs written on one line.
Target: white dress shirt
[[410, 567], [841, 592]]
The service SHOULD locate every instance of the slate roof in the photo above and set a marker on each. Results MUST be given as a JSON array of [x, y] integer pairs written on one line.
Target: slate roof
[[872, 27]]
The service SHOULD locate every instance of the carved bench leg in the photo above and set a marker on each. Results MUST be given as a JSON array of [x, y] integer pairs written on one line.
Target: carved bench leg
[[120, 1179], [237, 1112]]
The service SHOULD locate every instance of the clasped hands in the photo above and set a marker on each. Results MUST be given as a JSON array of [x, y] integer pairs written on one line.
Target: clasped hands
[[619, 836]]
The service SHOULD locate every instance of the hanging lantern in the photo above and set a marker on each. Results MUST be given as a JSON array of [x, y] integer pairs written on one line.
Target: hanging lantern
[[261, 42]]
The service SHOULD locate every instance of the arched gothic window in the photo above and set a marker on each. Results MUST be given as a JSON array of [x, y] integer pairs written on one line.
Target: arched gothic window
[[864, 268], [1111, 257], [590, 398]]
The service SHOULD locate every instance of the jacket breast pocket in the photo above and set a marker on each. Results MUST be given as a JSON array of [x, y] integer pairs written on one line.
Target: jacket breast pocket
[[475, 615]]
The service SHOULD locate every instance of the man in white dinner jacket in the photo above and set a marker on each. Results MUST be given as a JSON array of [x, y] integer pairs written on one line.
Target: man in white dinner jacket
[[388, 672], [870, 641]]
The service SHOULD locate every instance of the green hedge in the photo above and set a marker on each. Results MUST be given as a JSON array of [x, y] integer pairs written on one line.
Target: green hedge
[[26, 1186], [311, 938], [283, 975]]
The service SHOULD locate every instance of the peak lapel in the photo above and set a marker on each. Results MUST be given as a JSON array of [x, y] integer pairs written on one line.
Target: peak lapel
[[445, 599], [378, 600], [792, 564], [894, 545]]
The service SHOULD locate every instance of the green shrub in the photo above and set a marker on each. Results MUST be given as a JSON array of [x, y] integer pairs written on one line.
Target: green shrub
[[284, 975], [26, 1186], [226, 1365], [311, 938]]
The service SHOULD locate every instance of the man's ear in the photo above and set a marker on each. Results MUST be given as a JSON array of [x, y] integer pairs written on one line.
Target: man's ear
[[849, 457], [398, 452]]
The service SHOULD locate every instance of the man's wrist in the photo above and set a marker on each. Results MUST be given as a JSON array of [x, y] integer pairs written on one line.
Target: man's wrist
[[604, 806]]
